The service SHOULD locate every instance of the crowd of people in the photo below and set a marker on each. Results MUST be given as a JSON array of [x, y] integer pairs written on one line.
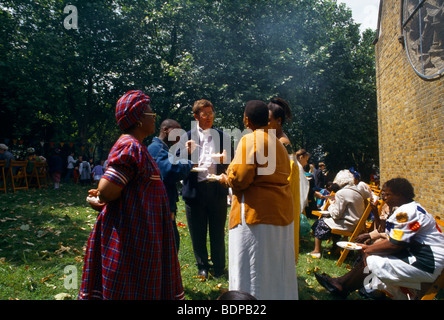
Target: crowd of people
[[132, 251], [82, 170]]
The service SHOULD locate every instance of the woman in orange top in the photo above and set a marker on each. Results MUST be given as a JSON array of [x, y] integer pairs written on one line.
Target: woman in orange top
[[261, 235]]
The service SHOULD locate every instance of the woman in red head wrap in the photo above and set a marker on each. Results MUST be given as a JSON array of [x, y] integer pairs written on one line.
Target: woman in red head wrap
[[131, 253]]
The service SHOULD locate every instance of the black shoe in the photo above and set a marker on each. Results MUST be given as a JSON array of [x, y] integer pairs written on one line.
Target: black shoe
[[373, 295], [218, 274], [324, 280], [203, 273]]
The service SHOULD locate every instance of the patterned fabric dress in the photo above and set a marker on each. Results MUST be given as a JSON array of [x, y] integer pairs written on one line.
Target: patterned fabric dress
[[131, 253]]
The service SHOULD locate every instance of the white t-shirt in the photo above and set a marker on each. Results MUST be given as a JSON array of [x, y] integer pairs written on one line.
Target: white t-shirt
[[411, 225], [71, 162]]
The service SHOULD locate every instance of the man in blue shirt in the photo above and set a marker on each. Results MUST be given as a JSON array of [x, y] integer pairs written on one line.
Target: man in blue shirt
[[171, 171]]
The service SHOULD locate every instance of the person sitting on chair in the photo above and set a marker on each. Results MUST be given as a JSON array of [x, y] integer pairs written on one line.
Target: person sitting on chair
[[400, 265], [343, 214]]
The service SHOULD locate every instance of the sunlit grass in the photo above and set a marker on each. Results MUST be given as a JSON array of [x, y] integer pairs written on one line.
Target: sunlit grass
[[43, 234]]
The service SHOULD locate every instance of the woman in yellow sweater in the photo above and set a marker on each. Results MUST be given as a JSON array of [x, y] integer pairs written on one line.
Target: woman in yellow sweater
[[261, 235]]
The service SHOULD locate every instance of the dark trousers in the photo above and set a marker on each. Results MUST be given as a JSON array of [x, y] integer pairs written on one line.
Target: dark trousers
[[208, 212], [69, 174]]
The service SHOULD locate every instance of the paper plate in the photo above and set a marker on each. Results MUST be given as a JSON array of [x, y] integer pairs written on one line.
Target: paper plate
[[198, 169], [348, 245], [93, 200], [213, 177]]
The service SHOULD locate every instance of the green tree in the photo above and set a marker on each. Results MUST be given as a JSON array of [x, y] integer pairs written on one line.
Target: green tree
[[64, 84]]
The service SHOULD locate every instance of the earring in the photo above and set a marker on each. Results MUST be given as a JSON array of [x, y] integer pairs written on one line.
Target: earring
[[139, 124]]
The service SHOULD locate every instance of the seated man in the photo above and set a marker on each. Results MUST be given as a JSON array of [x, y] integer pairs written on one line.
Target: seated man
[[412, 253], [343, 214]]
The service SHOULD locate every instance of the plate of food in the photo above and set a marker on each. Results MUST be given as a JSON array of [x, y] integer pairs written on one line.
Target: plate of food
[[199, 169], [93, 200], [348, 245], [213, 177]]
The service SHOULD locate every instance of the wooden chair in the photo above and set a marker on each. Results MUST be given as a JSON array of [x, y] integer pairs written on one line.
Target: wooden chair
[[438, 284], [375, 190], [324, 207], [17, 172], [369, 226], [360, 227], [2, 175], [39, 175], [352, 235]]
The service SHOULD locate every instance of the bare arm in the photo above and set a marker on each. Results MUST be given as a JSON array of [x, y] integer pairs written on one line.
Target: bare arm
[[106, 192], [383, 248]]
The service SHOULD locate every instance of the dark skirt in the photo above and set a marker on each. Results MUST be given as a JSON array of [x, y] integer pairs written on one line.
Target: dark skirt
[[321, 230]]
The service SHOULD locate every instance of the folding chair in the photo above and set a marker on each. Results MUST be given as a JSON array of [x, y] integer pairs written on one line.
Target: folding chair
[[375, 190], [324, 207], [369, 225], [438, 284], [17, 171], [356, 232], [43, 174], [3, 176], [39, 174]]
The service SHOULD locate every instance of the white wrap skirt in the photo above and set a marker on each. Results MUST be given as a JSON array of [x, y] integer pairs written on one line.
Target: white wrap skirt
[[262, 260]]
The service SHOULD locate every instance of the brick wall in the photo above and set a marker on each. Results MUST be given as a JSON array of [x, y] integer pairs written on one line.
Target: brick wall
[[410, 116]]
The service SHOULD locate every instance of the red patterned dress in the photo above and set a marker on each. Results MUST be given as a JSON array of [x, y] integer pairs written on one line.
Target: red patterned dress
[[130, 253]]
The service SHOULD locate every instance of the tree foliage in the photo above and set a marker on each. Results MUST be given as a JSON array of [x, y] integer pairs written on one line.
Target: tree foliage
[[62, 84]]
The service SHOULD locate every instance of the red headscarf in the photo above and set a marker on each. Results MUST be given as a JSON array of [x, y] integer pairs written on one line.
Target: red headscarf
[[130, 107]]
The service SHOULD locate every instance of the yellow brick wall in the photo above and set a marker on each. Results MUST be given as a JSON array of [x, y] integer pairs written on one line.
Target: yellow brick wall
[[410, 116]]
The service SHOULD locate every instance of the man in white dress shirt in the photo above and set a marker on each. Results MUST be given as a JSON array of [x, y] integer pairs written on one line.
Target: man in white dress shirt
[[206, 201]]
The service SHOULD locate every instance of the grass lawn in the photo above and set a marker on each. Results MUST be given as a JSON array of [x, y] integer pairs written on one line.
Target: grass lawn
[[43, 233]]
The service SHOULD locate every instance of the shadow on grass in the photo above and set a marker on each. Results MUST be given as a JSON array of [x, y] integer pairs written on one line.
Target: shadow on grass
[[193, 295], [43, 224]]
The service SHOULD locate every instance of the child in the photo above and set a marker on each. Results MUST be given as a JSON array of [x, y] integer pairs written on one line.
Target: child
[[97, 171], [85, 173]]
